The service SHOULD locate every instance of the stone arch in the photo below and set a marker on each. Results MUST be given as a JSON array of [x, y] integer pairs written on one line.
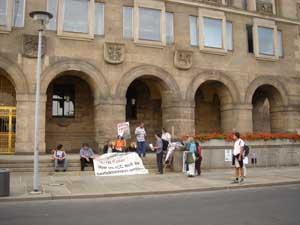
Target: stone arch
[[169, 82], [212, 76], [15, 75], [91, 74], [266, 80]]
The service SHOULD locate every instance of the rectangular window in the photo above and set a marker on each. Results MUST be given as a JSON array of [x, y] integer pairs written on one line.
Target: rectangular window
[[3, 12], [249, 29], [212, 33], [99, 18], [169, 28], [127, 22], [52, 8], [149, 24], [194, 30], [63, 101], [280, 43], [266, 40], [76, 16], [229, 35], [18, 13]]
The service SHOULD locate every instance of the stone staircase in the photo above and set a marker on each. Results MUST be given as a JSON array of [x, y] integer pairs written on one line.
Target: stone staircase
[[24, 163]]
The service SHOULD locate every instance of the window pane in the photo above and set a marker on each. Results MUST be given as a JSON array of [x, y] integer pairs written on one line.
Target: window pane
[[250, 38], [76, 16], [169, 28], [229, 36], [280, 45], [213, 33], [63, 100], [149, 24], [127, 22], [52, 8], [193, 30], [3, 12], [18, 13], [99, 18], [265, 38]]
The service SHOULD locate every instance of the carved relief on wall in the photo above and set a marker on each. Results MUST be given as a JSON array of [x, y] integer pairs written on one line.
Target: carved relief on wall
[[264, 7], [183, 59], [30, 45], [114, 53]]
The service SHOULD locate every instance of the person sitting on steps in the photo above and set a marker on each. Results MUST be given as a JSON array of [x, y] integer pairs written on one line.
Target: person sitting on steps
[[59, 156], [86, 156]]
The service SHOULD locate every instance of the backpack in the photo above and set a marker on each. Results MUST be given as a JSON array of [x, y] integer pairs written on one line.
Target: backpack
[[246, 150]]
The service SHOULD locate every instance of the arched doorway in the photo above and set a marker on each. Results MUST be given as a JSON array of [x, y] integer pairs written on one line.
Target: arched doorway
[[143, 103], [267, 112], [210, 98], [7, 114], [70, 112]]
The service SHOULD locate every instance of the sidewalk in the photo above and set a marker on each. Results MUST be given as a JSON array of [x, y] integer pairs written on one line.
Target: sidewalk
[[85, 185]]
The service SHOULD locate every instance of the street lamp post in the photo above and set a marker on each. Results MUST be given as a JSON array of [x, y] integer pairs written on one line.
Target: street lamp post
[[43, 18]]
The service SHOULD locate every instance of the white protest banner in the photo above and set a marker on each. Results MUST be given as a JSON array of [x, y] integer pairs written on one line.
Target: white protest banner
[[124, 130], [119, 164], [228, 155]]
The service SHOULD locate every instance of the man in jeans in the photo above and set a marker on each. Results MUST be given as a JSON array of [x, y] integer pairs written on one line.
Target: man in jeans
[[86, 156], [237, 162], [140, 138]]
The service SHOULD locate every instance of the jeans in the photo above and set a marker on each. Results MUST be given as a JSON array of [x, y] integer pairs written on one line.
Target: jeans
[[141, 148], [57, 162], [159, 161]]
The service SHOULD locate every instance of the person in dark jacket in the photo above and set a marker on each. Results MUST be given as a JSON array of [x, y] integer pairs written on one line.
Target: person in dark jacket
[[198, 155], [159, 152]]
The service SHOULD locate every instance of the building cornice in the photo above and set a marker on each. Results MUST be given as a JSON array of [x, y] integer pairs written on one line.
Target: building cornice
[[235, 11]]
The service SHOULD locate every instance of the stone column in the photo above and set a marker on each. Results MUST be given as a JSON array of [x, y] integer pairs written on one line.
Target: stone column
[[293, 119], [236, 117], [178, 117], [25, 123], [108, 113]]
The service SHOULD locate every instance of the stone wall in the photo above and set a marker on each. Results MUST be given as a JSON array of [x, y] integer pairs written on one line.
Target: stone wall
[[273, 153]]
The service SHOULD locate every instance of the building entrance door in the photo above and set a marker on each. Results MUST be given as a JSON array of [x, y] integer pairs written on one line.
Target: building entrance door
[[7, 129]]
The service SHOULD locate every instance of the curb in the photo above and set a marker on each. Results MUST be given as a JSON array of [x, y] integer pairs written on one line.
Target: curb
[[132, 194]]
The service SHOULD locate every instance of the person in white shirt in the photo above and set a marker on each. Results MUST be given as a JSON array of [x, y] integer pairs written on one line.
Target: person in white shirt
[[140, 139], [166, 138], [59, 156], [238, 158]]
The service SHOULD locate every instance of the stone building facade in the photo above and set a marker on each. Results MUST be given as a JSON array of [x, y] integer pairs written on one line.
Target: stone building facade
[[191, 66]]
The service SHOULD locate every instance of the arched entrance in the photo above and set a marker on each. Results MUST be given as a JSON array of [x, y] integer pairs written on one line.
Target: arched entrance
[[70, 112], [210, 99], [143, 103], [267, 111], [7, 114]]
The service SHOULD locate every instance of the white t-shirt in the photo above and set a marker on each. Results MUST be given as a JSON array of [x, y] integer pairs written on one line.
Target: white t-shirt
[[237, 146], [166, 136], [140, 134]]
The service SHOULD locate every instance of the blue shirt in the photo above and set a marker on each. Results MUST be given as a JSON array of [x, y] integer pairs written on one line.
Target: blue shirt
[[86, 152], [159, 145]]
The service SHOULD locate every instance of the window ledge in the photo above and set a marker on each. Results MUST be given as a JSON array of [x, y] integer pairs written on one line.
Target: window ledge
[[78, 37], [267, 58], [214, 51], [150, 44]]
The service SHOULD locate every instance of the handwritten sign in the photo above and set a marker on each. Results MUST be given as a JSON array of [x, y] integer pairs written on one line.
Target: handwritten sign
[[119, 164]]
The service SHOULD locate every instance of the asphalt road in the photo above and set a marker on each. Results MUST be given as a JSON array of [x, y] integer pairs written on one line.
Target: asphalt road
[[261, 206]]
